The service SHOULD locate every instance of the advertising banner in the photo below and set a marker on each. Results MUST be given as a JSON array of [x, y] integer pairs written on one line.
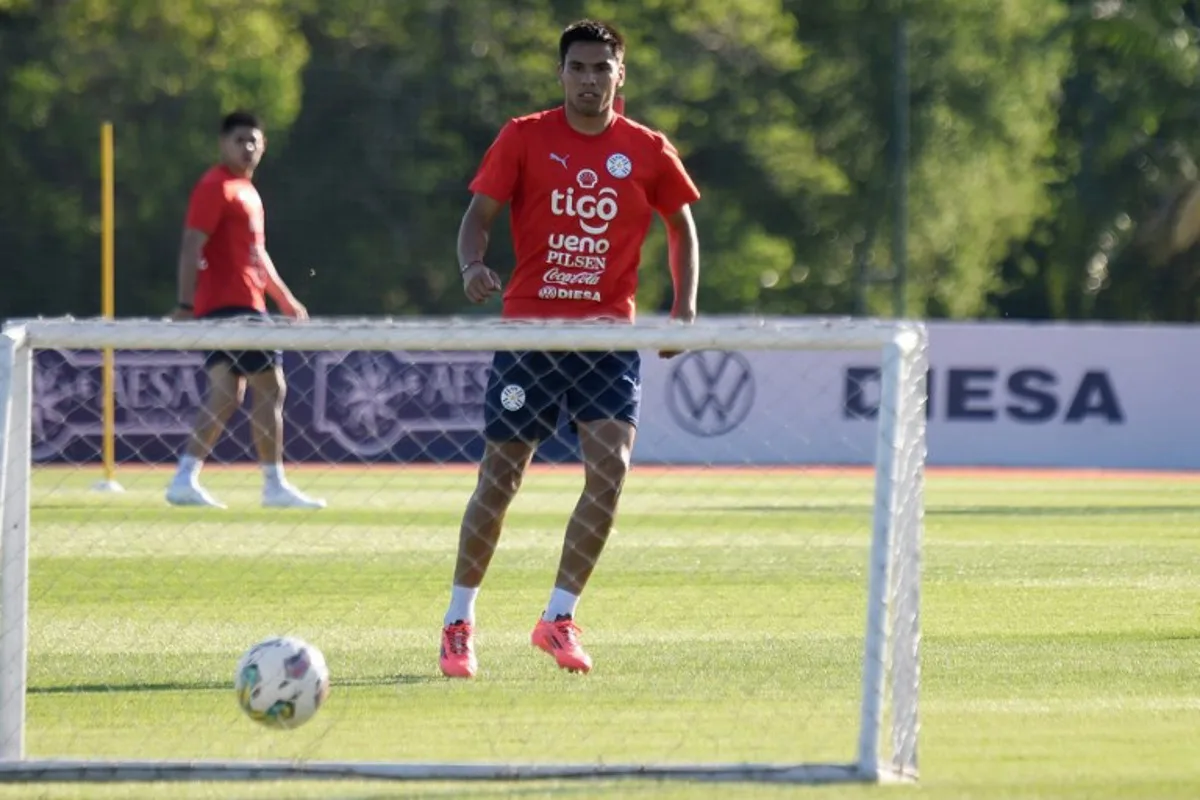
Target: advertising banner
[[998, 395]]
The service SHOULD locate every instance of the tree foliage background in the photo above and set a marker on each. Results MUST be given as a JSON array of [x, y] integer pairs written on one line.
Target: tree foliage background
[[1051, 159]]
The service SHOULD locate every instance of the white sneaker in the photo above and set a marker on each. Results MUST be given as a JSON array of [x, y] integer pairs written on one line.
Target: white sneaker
[[184, 492], [284, 495]]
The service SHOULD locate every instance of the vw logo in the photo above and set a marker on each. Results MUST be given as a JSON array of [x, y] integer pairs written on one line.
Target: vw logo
[[710, 393]]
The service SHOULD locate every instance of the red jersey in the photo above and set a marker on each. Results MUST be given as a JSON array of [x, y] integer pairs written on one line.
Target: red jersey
[[229, 210], [581, 207]]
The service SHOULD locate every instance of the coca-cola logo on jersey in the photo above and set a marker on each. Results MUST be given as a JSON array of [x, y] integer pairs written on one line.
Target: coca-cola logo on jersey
[[563, 278]]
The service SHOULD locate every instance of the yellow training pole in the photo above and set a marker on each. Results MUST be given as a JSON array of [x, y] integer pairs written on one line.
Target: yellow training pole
[[108, 303]]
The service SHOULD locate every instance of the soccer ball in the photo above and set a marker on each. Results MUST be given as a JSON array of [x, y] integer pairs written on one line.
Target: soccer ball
[[281, 682]]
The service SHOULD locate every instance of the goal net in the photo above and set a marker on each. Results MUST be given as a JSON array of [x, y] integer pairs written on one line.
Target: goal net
[[754, 616]]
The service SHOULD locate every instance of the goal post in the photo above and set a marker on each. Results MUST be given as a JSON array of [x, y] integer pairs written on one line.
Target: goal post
[[887, 724], [16, 373]]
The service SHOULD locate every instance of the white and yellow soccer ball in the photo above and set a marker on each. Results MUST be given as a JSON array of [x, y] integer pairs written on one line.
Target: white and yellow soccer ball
[[282, 682]]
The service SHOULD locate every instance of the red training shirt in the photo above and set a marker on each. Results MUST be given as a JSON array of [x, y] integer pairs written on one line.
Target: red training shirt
[[228, 209], [581, 207]]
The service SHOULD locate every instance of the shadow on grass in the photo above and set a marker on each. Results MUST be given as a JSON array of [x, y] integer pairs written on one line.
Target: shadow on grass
[[192, 686], [586, 788], [969, 511], [1059, 511]]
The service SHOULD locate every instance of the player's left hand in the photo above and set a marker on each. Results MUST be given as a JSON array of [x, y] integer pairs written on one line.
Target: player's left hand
[[686, 316], [291, 307], [181, 314]]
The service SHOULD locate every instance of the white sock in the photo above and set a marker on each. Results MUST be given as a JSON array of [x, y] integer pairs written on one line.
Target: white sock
[[273, 474], [462, 604], [562, 603], [189, 467]]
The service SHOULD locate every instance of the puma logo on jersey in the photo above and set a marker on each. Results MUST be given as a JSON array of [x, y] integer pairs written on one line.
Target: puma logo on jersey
[[560, 159]]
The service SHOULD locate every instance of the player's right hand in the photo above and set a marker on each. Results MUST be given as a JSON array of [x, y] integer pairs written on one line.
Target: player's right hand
[[685, 314], [480, 282], [181, 314]]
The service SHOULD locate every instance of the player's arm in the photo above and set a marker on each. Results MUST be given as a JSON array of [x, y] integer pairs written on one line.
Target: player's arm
[[277, 289], [674, 192], [479, 281], [191, 254], [683, 247], [493, 185], [205, 209]]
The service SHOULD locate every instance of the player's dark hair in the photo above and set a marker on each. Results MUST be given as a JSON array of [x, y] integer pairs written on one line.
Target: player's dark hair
[[239, 119], [590, 30]]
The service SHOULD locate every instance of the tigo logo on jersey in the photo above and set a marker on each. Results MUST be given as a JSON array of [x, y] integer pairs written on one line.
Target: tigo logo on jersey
[[594, 207], [619, 165], [594, 213], [586, 207]]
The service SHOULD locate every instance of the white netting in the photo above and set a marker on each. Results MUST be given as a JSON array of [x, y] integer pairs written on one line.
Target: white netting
[[726, 615]]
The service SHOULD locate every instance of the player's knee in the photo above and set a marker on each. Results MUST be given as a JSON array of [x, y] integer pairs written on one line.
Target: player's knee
[[605, 475], [499, 483], [501, 471], [221, 404], [270, 388], [221, 414], [227, 409]]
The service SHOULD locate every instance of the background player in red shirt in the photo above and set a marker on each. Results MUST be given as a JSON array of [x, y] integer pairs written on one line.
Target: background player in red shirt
[[584, 183], [225, 272]]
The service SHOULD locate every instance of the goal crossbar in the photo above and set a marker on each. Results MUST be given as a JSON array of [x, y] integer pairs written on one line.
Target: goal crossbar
[[890, 666], [732, 333]]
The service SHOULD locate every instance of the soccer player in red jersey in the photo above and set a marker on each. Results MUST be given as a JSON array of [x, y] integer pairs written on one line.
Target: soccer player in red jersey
[[225, 272], [583, 183]]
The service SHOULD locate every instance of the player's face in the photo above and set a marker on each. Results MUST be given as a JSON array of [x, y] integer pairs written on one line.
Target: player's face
[[242, 149], [591, 74]]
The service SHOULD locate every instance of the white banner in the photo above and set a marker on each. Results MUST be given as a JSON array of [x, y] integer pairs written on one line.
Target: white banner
[[1000, 395]]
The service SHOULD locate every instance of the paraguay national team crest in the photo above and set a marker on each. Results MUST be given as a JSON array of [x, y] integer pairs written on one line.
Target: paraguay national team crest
[[512, 397], [619, 165]]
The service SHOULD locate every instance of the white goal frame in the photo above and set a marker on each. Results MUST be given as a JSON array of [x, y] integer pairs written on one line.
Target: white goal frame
[[888, 722]]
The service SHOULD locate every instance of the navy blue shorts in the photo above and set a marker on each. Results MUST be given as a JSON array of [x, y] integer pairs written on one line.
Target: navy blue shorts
[[526, 390], [242, 362]]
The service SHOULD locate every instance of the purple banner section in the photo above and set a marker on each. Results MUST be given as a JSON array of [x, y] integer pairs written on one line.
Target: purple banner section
[[341, 407]]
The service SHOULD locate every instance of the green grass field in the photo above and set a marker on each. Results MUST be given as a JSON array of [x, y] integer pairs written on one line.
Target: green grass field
[[1061, 649]]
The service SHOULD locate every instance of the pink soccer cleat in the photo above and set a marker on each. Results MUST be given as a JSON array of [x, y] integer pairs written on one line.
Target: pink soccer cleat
[[561, 640], [457, 657]]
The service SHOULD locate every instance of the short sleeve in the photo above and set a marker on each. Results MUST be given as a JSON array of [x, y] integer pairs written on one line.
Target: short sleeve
[[206, 206], [498, 172], [673, 188]]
